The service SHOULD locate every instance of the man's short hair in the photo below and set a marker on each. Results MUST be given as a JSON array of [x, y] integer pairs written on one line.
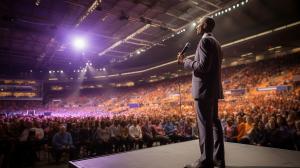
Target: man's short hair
[[210, 23]]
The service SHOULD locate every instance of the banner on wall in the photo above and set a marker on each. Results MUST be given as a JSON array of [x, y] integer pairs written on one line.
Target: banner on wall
[[275, 88]]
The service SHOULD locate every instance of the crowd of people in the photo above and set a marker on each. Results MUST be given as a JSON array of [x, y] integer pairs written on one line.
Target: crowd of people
[[104, 122], [23, 137]]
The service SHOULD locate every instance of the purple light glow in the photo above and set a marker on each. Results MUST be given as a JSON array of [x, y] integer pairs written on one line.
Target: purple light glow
[[79, 43]]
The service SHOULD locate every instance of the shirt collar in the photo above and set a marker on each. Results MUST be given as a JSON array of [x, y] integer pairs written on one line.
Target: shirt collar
[[207, 34]]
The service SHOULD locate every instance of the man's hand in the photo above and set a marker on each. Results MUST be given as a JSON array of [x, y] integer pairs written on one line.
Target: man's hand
[[180, 58]]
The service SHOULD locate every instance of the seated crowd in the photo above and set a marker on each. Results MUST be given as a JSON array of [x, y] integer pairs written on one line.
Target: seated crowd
[[103, 123], [22, 137]]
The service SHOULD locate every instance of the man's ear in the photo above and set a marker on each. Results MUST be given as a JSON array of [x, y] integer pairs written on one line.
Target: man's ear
[[204, 26]]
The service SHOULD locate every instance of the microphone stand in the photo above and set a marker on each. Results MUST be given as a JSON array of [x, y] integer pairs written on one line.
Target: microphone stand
[[179, 88]]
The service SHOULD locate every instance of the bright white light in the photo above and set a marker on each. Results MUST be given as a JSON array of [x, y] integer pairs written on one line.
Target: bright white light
[[138, 52], [237, 5], [50, 72], [242, 3], [104, 69], [233, 6], [194, 23], [229, 9], [216, 14], [79, 43], [225, 10], [61, 71], [57, 71], [246, 1]]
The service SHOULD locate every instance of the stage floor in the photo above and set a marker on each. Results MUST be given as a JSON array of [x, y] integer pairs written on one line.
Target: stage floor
[[179, 154]]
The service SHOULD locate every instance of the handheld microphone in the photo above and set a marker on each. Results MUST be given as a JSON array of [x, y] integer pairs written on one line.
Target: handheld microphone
[[187, 46]]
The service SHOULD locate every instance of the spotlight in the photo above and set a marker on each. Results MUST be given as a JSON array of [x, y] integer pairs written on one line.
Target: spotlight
[[216, 14], [79, 43], [229, 9], [50, 72], [237, 5], [233, 7], [242, 3], [138, 52], [194, 24], [61, 71]]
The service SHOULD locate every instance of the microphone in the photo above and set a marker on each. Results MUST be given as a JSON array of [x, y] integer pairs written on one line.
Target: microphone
[[187, 46]]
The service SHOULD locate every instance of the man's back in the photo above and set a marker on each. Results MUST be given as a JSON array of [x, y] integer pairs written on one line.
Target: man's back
[[206, 81]]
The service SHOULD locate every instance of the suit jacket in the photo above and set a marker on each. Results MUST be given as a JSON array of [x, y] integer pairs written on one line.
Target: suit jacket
[[206, 67]]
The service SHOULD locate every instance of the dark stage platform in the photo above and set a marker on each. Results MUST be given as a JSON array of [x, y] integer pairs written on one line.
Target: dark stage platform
[[177, 155]]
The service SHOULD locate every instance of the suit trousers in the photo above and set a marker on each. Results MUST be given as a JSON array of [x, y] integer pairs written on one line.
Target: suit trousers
[[211, 140]]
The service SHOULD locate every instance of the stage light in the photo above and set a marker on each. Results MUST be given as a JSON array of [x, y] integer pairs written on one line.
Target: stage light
[[233, 7], [194, 23], [79, 43], [104, 69], [50, 72], [229, 9], [61, 71], [242, 3], [216, 14], [237, 5], [225, 10], [138, 52]]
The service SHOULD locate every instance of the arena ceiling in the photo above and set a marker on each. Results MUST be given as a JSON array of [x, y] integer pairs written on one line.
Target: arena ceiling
[[38, 33], [123, 34]]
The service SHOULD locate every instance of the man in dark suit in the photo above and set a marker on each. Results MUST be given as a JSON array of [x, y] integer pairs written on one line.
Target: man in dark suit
[[206, 90]]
